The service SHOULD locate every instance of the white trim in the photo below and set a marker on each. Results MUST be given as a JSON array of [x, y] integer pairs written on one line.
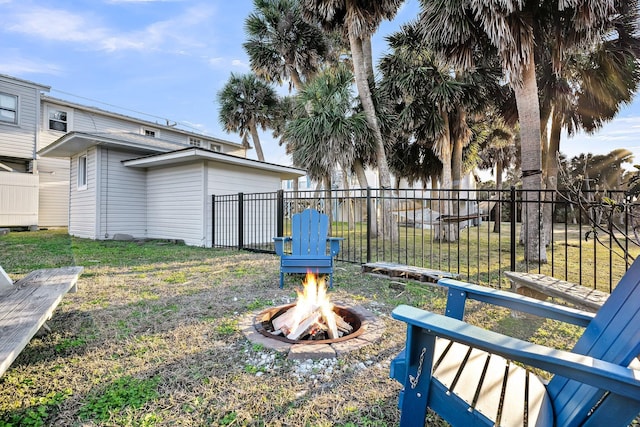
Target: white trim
[[192, 154], [81, 186], [51, 108], [16, 121]]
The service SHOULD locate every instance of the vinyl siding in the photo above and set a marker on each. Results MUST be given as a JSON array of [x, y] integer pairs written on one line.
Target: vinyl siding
[[82, 205], [18, 140], [175, 203], [225, 179], [54, 192], [122, 200]]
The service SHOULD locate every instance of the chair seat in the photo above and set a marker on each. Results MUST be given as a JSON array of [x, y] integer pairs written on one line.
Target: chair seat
[[496, 389]]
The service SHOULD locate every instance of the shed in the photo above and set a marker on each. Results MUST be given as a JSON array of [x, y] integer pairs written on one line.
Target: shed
[[129, 184]]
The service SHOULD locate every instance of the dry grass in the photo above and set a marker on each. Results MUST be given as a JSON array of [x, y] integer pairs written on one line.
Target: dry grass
[[153, 340]]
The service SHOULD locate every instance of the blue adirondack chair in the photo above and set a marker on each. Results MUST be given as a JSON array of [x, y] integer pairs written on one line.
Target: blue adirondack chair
[[309, 248], [466, 374]]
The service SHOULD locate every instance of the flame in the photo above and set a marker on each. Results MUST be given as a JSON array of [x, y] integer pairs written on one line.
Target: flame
[[313, 297]]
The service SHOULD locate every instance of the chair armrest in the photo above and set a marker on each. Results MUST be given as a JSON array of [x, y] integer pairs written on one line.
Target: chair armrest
[[598, 373], [459, 292], [279, 244], [334, 245]]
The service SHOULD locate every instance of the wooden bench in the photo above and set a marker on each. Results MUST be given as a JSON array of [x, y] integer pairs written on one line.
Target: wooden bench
[[541, 286], [407, 272], [26, 305]]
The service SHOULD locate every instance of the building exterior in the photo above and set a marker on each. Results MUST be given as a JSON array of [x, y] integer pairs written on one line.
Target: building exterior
[[104, 174]]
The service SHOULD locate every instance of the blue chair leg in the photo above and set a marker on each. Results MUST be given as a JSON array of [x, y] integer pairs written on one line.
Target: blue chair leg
[[330, 280], [281, 280]]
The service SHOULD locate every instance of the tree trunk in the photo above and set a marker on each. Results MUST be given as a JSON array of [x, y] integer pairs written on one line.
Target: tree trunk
[[529, 116], [388, 228], [358, 167], [296, 80], [445, 228], [551, 174], [256, 140], [368, 60], [498, 208], [328, 202]]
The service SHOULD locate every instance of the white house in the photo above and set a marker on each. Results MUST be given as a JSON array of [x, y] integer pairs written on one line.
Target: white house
[[104, 174]]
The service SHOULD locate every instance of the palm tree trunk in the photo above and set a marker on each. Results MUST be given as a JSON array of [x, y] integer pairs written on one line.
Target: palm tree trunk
[[444, 154], [529, 116], [551, 174], [328, 204], [296, 80], [498, 208], [368, 60], [358, 167], [388, 228], [256, 140]]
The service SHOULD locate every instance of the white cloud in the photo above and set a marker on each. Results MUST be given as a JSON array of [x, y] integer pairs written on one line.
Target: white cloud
[[91, 33], [14, 64]]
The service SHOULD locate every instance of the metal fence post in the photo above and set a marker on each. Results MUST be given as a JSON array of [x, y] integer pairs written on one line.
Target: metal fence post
[[368, 224], [514, 217], [213, 219], [280, 213], [240, 221]]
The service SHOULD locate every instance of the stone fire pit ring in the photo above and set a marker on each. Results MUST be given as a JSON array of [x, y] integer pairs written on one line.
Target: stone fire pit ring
[[370, 331]]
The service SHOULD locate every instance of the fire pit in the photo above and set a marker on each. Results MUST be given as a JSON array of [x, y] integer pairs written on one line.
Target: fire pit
[[313, 327], [264, 323]]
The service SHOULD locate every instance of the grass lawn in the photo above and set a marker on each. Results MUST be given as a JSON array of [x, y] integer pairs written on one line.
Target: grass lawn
[[152, 339]]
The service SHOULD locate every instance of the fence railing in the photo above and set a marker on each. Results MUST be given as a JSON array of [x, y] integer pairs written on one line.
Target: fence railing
[[475, 233]]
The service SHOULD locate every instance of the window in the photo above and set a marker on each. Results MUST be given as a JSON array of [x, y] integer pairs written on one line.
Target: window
[[149, 132], [82, 172], [58, 120], [8, 108], [195, 142], [216, 147]]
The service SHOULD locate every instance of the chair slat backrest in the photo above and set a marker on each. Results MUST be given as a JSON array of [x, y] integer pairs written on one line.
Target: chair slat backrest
[[309, 231], [614, 336]]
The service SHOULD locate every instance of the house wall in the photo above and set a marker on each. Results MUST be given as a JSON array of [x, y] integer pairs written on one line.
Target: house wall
[[223, 179], [175, 203], [121, 202], [19, 140], [83, 202]]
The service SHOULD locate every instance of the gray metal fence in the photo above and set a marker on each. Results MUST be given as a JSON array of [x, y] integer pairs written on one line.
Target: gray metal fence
[[475, 233]]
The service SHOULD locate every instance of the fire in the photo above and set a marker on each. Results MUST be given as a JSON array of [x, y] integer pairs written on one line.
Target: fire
[[312, 314]]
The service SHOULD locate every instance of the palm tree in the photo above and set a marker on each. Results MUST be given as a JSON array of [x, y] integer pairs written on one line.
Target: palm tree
[[497, 151], [359, 19], [326, 135], [512, 27], [281, 45], [433, 103], [246, 103]]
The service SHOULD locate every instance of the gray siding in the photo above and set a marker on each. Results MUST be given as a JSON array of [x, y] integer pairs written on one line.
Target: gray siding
[[122, 200], [19, 140], [175, 203], [82, 205]]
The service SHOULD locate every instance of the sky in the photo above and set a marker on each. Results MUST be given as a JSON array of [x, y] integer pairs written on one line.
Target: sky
[[165, 61]]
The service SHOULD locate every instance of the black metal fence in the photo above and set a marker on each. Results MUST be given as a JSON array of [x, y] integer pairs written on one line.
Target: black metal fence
[[475, 233]]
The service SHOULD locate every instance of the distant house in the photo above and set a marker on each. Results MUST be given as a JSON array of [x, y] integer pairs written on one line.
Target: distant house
[[104, 174]]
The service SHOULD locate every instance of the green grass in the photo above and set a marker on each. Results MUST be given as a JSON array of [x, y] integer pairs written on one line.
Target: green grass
[[152, 338]]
